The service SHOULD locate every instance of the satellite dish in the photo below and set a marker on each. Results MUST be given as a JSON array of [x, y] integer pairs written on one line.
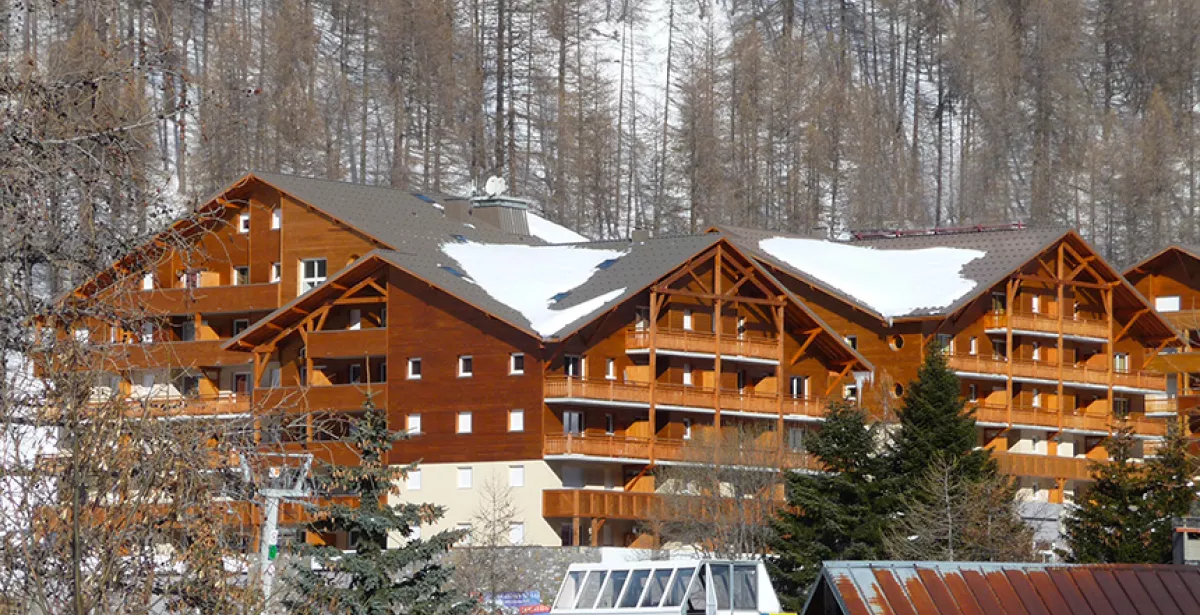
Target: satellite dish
[[495, 186]]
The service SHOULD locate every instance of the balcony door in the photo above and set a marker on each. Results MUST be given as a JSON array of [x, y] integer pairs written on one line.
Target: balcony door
[[573, 423], [241, 383]]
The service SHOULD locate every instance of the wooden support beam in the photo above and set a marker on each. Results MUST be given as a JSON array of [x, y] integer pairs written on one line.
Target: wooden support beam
[[1009, 306], [779, 376], [655, 303], [1083, 261], [716, 296], [1034, 278], [1129, 325], [1060, 300], [833, 383], [812, 336], [717, 318], [1158, 349]]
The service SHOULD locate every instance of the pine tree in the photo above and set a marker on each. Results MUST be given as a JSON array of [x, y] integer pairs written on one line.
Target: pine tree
[[934, 423], [840, 514], [371, 578], [1126, 515]]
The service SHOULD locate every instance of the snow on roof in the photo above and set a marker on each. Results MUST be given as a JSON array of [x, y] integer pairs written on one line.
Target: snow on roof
[[891, 282], [532, 279], [551, 232]]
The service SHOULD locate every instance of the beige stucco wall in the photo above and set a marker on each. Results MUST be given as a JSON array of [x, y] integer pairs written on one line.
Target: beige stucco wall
[[439, 485]]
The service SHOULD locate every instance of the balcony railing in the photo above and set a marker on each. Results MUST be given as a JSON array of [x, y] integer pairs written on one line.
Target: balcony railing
[[1043, 466], [340, 397], [680, 395], [181, 405], [673, 449], [703, 342], [640, 506], [347, 343], [211, 299], [1046, 323], [205, 353], [1041, 417], [1050, 371]]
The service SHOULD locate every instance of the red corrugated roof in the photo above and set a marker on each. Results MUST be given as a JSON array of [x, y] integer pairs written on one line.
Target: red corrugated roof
[[984, 588]]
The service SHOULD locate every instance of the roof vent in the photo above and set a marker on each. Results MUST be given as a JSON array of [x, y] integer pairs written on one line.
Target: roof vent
[[504, 212], [639, 235]]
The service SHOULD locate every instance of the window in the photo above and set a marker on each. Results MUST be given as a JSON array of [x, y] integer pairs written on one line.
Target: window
[[240, 324], [999, 351], [850, 392], [687, 428], [741, 381], [190, 385], [897, 342], [466, 366], [276, 218], [573, 422], [241, 383], [573, 365], [244, 222], [972, 392], [516, 420], [187, 332], [312, 273], [516, 476], [687, 374], [1035, 304], [241, 276], [463, 425], [274, 377], [795, 438], [741, 327], [798, 385], [355, 321], [974, 349], [852, 341], [464, 478], [148, 281], [1037, 398], [516, 363], [610, 425], [1121, 362], [355, 373], [610, 369], [1036, 349], [413, 424], [1167, 304], [687, 319], [276, 271], [414, 368], [413, 480], [999, 303], [642, 321], [1121, 407], [516, 532], [381, 376], [148, 332]]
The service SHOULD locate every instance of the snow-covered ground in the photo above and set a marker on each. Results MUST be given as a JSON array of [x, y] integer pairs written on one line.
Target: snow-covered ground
[[891, 282], [528, 278]]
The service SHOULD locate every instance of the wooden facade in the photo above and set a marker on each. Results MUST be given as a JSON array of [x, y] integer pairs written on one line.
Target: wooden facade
[[1053, 357]]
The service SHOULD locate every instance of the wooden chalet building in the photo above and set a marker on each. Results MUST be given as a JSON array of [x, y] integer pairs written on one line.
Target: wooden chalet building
[[518, 355], [1170, 279], [1051, 344]]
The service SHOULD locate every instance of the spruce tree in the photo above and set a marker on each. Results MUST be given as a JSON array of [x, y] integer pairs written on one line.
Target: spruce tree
[[838, 514], [373, 579], [934, 422], [1125, 517]]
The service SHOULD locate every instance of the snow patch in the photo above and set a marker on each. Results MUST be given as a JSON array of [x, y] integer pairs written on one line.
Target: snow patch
[[551, 232], [532, 279], [891, 282]]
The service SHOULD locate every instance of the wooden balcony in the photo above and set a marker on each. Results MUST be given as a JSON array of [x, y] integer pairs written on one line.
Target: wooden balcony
[[1161, 405], [1042, 417], [1050, 371], [347, 343], [1043, 466], [210, 299], [669, 449], [1046, 323], [638, 506], [341, 397], [1183, 320], [565, 388], [704, 343], [175, 405], [206, 353]]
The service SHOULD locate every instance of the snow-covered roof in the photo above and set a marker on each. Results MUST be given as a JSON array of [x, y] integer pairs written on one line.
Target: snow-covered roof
[[533, 280], [551, 232], [891, 282]]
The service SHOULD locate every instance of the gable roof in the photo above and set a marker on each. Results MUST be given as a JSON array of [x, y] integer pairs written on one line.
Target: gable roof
[[1135, 270], [943, 588], [985, 258], [546, 291]]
